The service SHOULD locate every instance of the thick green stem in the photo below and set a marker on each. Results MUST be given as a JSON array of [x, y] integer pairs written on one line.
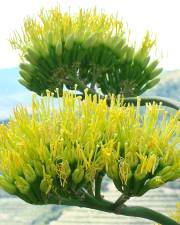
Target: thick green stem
[[98, 181], [106, 206], [166, 102], [137, 211], [89, 202], [121, 200]]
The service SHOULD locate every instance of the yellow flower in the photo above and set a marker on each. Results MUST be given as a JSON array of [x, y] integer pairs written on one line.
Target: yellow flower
[[55, 47], [62, 146]]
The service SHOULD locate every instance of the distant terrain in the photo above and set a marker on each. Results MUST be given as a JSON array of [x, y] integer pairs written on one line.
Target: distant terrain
[[169, 86]]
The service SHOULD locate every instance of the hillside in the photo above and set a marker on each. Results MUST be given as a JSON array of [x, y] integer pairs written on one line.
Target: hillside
[[169, 86]]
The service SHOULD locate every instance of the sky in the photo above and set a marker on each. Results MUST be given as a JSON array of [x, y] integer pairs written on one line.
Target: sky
[[160, 17]]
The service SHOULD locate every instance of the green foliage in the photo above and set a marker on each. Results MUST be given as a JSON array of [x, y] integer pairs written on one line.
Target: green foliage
[[89, 49], [58, 153]]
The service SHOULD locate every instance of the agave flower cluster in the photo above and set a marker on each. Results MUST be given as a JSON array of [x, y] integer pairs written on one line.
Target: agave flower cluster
[[59, 151], [89, 49]]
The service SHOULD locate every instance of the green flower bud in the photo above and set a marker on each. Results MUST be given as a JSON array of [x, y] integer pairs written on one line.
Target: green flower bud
[[164, 171], [46, 184], [38, 168], [7, 186], [66, 168], [69, 42], [22, 185], [25, 75], [26, 67], [155, 73], [90, 175], [152, 83], [32, 56], [155, 182], [90, 41], [176, 174], [78, 175], [113, 171], [50, 38], [24, 83], [138, 174], [29, 173], [132, 159], [51, 169], [59, 48], [152, 66], [167, 173]]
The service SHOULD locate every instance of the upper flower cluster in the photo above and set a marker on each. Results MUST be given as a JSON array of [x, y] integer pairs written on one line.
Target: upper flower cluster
[[59, 150], [89, 49]]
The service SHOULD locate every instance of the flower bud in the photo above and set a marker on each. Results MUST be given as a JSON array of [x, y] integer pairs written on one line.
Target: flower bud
[[89, 42], [138, 174], [69, 42], [46, 184], [78, 175], [166, 173], [155, 182], [7, 186], [67, 168], [59, 48], [22, 185], [38, 168], [90, 174], [113, 170], [176, 175], [132, 159], [51, 169], [29, 173]]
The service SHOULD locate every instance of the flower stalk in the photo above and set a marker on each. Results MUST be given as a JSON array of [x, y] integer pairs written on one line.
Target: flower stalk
[[98, 182], [121, 209], [142, 212]]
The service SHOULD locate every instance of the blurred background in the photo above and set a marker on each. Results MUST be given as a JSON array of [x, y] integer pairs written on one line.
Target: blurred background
[[161, 18]]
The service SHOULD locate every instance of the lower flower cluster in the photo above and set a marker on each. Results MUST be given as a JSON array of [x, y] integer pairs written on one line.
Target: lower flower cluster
[[61, 148]]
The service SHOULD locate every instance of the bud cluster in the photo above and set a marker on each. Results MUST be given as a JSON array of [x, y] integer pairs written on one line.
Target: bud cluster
[[88, 49], [61, 148]]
